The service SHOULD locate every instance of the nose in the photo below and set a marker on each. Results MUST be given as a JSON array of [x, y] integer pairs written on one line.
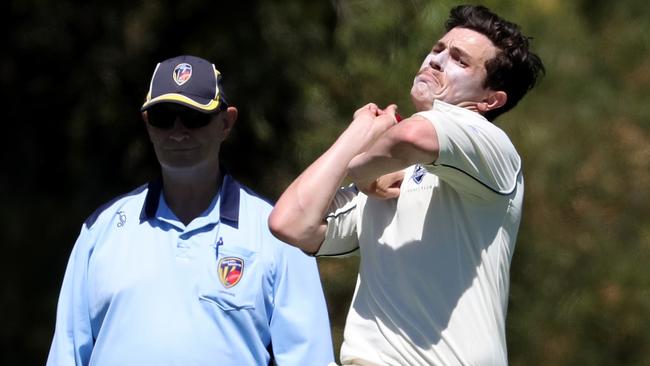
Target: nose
[[179, 131], [437, 60]]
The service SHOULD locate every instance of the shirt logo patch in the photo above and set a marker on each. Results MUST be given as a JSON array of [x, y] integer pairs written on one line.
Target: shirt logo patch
[[182, 73], [418, 174], [231, 269]]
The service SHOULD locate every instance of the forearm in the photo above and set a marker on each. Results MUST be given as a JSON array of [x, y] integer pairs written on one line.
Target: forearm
[[367, 167], [412, 141], [298, 216]]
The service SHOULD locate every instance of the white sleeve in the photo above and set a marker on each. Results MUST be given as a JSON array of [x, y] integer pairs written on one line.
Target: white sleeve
[[476, 157], [341, 236]]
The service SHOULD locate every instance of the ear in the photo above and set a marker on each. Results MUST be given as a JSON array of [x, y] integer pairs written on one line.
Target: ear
[[229, 120], [147, 126], [495, 100]]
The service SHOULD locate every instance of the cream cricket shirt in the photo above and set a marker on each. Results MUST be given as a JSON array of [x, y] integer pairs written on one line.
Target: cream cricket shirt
[[434, 274]]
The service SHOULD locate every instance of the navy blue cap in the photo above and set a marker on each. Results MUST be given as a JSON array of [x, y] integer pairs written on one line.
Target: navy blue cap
[[187, 80]]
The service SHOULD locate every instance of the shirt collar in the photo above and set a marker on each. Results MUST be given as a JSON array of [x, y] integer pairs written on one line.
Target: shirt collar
[[228, 200], [458, 111]]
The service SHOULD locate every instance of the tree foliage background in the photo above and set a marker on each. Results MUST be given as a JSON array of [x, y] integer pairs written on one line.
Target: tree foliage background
[[74, 73]]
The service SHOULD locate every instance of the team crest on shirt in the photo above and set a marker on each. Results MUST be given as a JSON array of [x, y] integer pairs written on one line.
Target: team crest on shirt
[[182, 73], [231, 269], [418, 174]]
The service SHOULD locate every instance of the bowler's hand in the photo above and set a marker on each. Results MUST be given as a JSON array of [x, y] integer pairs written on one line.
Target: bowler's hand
[[385, 187], [374, 119], [369, 123]]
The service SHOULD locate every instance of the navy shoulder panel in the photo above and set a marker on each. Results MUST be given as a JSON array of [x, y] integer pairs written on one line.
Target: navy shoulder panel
[[90, 221]]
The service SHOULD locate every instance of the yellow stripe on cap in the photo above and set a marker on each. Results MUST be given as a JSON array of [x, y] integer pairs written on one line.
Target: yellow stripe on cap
[[179, 98]]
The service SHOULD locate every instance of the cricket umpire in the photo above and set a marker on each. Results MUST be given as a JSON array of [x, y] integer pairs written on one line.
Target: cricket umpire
[[183, 270]]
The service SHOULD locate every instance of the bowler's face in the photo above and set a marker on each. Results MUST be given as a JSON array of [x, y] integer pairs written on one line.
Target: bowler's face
[[454, 70]]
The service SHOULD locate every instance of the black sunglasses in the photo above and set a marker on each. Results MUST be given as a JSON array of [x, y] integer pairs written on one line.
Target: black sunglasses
[[163, 116]]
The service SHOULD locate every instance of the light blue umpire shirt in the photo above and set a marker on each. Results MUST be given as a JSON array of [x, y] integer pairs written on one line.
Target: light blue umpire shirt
[[141, 288]]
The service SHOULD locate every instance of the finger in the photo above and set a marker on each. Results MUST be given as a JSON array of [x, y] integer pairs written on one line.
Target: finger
[[374, 109], [391, 193], [370, 108], [392, 110], [396, 184]]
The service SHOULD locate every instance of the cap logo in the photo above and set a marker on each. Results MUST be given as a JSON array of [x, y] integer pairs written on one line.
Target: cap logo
[[182, 73], [231, 270]]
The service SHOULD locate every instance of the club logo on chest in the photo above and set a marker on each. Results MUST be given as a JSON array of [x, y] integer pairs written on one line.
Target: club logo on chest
[[231, 270]]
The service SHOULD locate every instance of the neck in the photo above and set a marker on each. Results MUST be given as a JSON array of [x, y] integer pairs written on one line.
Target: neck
[[189, 195]]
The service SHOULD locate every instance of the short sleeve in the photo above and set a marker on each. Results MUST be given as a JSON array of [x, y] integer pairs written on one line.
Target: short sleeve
[[341, 237], [300, 329], [476, 157], [73, 338]]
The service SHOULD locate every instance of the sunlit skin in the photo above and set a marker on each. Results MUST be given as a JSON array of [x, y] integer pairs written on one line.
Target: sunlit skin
[[454, 72], [377, 148]]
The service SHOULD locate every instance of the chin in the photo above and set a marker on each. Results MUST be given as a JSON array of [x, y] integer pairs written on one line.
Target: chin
[[421, 104], [179, 165]]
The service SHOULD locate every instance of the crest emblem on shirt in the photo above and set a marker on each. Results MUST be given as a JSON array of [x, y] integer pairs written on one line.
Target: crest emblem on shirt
[[418, 174], [182, 73], [231, 269]]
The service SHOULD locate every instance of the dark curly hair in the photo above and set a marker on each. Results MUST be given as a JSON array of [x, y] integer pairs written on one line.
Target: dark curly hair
[[515, 68]]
